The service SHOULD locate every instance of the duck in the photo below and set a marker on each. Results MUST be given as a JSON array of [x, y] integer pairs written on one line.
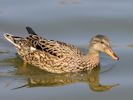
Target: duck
[[59, 57]]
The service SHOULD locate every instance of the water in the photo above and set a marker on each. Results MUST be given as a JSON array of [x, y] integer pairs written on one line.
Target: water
[[75, 22]]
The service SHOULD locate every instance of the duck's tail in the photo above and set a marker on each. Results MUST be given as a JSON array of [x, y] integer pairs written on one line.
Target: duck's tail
[[15, 40]]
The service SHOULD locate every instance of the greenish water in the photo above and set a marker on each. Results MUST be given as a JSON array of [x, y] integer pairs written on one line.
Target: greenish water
[[75, 22]]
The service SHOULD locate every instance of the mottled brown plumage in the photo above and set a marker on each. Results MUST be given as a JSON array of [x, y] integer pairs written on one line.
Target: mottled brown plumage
[[59, 57]]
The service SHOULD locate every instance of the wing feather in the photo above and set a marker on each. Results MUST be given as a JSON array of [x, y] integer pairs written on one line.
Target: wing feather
[[30, 30], [55, 48]]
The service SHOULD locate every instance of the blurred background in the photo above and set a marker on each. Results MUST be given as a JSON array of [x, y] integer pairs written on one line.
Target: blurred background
[[74, 21]]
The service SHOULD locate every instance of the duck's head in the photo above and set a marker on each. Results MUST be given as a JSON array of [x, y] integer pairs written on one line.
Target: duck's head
[[100, 43]]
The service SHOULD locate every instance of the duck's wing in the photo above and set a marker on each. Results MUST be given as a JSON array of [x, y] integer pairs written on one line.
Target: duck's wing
[[62, 49], [55, 48]]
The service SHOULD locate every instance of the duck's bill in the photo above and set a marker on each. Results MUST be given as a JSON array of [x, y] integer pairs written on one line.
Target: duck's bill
[[111, 54]]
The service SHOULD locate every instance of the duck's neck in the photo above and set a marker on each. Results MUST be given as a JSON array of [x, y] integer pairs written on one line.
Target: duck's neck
[[93, 52], [93, 57]]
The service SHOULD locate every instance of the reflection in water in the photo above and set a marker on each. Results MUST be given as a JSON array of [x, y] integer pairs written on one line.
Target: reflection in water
[[130, 45], [52, 80], [35, 77]]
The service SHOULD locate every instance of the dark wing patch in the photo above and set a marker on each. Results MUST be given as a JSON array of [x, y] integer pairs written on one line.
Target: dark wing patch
[[30, 30], [47, 49], [55, 48], [38, 47], [34, 38], [42, 45]]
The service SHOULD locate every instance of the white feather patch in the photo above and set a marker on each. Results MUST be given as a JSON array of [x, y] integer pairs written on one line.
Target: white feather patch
[[32, 48]]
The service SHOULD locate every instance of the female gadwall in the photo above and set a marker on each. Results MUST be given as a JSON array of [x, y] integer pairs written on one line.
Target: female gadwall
[[59, 57]]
